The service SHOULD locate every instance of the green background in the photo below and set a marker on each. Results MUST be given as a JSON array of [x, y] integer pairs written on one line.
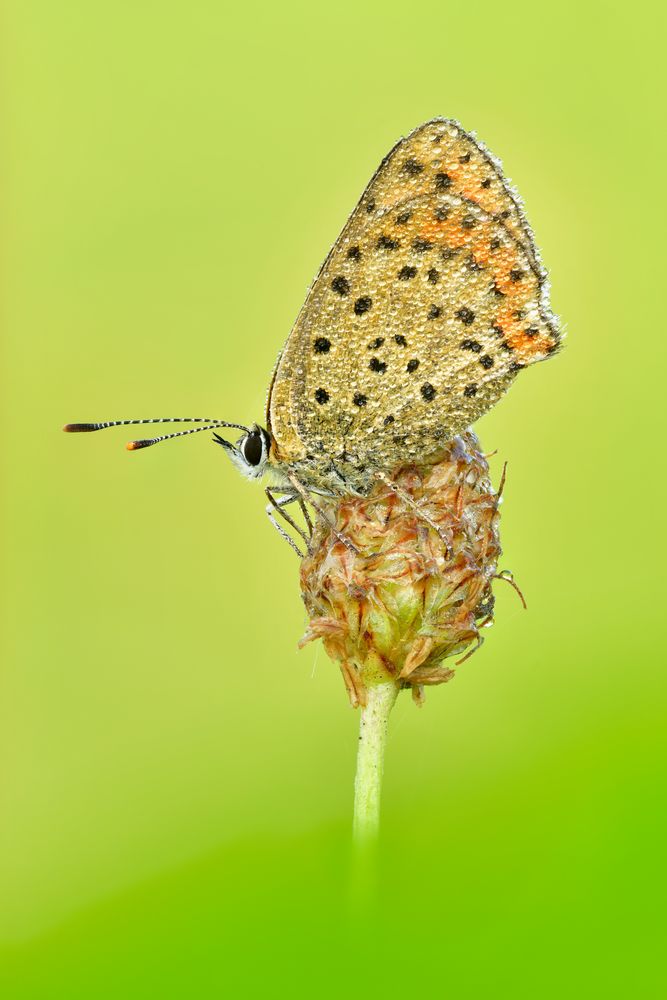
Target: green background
[[176, 777]]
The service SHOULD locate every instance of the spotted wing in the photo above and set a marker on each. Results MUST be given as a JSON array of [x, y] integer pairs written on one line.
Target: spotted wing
[[430, 302]]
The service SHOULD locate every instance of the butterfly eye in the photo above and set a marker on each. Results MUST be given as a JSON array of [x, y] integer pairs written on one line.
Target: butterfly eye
[[252, 448]]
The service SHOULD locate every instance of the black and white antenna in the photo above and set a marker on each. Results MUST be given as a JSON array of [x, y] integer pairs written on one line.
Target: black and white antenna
[[210, 424]]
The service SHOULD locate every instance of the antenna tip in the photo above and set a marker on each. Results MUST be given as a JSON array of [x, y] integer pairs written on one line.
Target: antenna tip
[[77, 428], [135, 445]]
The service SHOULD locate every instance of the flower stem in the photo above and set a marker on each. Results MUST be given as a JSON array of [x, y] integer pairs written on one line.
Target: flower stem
[[370, 760]]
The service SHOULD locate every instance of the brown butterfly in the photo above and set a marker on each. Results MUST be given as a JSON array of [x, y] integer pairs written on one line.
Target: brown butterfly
[[430, 302]]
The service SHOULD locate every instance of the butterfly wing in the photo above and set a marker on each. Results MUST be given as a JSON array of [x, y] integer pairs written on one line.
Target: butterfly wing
[[429, 303]]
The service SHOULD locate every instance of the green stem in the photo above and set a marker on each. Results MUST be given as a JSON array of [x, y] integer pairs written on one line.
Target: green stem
[[370, 760]]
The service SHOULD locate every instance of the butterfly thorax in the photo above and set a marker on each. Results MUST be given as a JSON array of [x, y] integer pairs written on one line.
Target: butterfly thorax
[[351, 472]]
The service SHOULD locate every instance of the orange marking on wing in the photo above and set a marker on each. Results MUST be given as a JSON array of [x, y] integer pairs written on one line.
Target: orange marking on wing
[[482, 252], [528, 347], [463, 180], [452, 168], [504, 283], [433, 229], [512, 327], [531, 348], [489, 255], [467, 180], [448, 231], [457, 236], [489, 201]]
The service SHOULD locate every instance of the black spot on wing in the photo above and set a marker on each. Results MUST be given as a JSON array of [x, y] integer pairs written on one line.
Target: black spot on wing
[[341, 285], [413, 167], [407, 272], [466, 316], [362, 305]]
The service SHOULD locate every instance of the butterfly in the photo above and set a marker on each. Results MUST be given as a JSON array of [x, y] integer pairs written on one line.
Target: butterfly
[[431, 301]]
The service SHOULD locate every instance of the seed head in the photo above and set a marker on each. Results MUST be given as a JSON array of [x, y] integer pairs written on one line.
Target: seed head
[[412, 586]]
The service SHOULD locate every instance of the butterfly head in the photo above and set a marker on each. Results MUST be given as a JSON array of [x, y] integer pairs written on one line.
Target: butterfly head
[[250, 453]]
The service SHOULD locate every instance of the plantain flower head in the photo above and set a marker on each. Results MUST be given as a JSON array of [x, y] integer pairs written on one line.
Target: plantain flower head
[[399, 581]]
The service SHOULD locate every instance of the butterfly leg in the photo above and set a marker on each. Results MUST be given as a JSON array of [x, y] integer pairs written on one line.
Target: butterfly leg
[[276, 506], [305, 495], [281, 531], [409, 502], [306, 517], [279, 506]]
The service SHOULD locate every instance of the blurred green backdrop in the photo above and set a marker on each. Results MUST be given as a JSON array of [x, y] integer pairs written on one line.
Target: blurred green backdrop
[[176, 777]]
